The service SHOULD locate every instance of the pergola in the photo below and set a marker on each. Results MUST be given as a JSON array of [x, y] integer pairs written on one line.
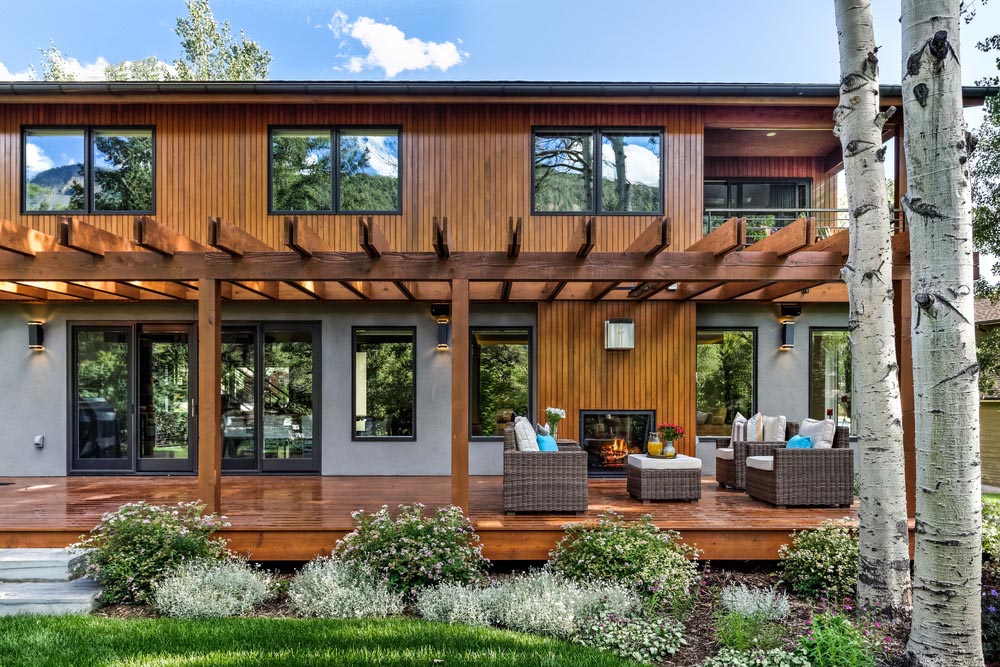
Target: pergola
[[86, 263]]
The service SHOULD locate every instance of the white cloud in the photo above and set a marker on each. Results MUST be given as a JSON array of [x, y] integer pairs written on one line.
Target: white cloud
[[390, 49], [7, 75], [35, 159], [641, 165], [84, 71], [381, 158]]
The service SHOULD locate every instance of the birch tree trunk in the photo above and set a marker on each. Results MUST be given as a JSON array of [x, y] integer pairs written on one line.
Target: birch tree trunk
[[948, 557], [884, 550]]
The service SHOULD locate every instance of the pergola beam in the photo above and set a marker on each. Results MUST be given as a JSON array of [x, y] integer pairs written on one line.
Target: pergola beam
[[232, 240], [268, 290], [172, 290], [839, 242], [371, 239], [159, 238], [650, 243], [26, 291], [85, 237], [120, 289], [310, 288], [793, 237], [727, 237], [25, 240], [442, 238], [303, 240], [779, 290], [582, 241], [515, 237]]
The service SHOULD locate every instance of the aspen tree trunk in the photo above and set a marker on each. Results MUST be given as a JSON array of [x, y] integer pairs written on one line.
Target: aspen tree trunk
[[948, 557], [884, 550]]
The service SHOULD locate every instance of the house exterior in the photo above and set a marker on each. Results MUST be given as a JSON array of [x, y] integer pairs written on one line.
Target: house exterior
[[378, 275]]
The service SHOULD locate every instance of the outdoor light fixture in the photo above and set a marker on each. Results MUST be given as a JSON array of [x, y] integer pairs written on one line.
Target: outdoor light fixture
[[787, 335], [442, 313], [36, 336], [619, 333]]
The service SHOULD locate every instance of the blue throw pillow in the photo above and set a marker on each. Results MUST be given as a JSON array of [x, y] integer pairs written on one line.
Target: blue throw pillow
[[546, 443], [800, 442]]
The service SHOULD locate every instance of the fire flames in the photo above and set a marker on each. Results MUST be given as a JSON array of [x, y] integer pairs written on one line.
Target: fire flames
[[613, 453]]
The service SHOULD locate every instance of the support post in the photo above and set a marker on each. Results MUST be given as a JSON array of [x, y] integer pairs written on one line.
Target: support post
[[904, 356], [460, 394], [209, 394]]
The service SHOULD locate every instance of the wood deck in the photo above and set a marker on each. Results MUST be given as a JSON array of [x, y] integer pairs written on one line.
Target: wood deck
[[297, 517]]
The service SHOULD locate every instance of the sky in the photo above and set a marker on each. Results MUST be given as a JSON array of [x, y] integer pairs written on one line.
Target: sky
[[655, 40]]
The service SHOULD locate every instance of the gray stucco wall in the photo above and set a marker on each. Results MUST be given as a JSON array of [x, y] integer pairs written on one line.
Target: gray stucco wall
[[35, 383]]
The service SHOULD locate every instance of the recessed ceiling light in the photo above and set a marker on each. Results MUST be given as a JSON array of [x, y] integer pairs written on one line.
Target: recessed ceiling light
[[771, 134]]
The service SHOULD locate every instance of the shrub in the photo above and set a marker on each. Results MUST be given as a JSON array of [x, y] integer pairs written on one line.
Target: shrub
[[835, 640], [728, 657], [991, 529], [210, 589], [745, 632], [458, 603], [137, 544], [414, 551], [749, 601], [636, 554], [331, 589], [822, 561], [644, 640], [991, 612], [549, 604]]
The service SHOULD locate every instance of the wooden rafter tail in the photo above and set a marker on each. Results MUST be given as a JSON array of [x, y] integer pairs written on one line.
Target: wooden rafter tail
[[264, 288], [25, 240], [172, 290], [371, 239], [727, 237], [303, 240], [405, 289], [839, 242], [515, 237], [654, 239], [25, 291], [111, 288], [357, 290], [311, 288], [85, 237], [505, 289], [794, 236], [442, 238], [62, 288], [159, 238], [232, 240]]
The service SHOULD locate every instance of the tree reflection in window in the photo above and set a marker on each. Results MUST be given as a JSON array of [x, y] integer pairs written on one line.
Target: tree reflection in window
[[123, 170], [54, 172], [563, 166], [301, 173], [384, 383], [830, 375], [630, 174], [369, 170], [501, 377], [726, 383]]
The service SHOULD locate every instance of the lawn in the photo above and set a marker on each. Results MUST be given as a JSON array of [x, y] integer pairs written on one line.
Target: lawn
[[87, 641]]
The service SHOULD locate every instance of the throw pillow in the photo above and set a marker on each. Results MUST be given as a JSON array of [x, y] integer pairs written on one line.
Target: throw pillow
[[800, 442], [527, 441], [755, 428], [546, 443], [739, 428], [542, 429], [774, 429], [820, 430]]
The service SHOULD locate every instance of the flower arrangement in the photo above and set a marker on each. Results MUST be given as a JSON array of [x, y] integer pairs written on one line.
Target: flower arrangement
[[670, 431], [554, 416]]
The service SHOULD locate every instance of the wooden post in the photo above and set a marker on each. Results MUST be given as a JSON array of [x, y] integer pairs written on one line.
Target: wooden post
[[209, 394], [904, 356], [899, 178], [460, 394]]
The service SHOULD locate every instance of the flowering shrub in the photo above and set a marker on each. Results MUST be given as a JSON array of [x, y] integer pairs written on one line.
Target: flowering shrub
[[137, 544], [636, 554], [331, 589], [414, 550], [643, 640], [769, 603], [728, 657], [458, 603], [837, 640], [991, 529], [210, 589], [822, 561], [991, 611]]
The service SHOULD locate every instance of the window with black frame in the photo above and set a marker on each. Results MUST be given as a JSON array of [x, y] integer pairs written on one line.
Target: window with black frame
[[500, 369], [603, 171], [385, 389], [766, 204], [88, 170], [726, 378], [830, 375]]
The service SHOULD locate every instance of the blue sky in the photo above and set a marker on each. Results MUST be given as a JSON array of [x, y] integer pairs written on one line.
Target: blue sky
[[666, 40]]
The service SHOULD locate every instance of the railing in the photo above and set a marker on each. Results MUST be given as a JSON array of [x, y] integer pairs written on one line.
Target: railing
[[764, 221]]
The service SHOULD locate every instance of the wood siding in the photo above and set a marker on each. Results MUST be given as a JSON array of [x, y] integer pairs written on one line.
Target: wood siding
[[575, 372], [989, 441]]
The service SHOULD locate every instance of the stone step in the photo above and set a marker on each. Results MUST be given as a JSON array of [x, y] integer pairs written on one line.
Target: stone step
[[37, 564], [49, 598]]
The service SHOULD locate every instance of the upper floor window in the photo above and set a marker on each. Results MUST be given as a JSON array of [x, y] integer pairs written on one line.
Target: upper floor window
[[88, 170], [765, 203], [597, 171], [305, 178]]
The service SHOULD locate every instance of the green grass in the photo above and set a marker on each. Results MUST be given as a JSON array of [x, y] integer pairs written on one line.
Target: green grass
[[992, 496], [86, 641]]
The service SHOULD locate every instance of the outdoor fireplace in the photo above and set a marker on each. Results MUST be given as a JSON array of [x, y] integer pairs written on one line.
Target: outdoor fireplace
[[609, 436]]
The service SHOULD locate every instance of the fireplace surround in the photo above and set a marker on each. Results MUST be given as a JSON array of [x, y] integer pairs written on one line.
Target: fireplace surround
[[609, 436]]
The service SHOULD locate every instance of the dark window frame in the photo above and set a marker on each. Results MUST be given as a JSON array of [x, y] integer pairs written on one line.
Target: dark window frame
[[334, 132], [597, 134], [757, 180], [352, 418], [531, 374], [754, 401], [88, 167], [809, 374]]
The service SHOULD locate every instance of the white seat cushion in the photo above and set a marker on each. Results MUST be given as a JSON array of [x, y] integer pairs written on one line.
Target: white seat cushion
[[681, 462], [761, 462], [821, 432], [725, 453]]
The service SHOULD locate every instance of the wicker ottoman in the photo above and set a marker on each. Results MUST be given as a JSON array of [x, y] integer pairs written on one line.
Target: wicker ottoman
[[663, 479]]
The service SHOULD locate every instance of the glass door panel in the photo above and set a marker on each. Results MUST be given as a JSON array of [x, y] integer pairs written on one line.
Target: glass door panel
[[101, 399], [288, 400], [239, 399], [165, 384]]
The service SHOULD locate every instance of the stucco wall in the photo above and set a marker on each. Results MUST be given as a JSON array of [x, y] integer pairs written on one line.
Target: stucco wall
[[35, 383]]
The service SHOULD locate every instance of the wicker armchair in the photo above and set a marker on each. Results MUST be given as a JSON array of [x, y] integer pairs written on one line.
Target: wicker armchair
[[733, 472], [543, 481], [807, 476]]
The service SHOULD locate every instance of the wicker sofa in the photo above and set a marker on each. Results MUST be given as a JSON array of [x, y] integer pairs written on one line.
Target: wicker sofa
[[543, 481], [733, 472], [806, 476]]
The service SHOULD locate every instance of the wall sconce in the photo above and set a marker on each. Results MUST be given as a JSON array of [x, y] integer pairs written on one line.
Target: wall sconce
[[36, 336], [787, 335], [442, 314], [619, 334]]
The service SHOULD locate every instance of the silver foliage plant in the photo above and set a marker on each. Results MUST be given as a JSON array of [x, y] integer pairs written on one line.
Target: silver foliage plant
[[750, 601], [212, 589], [329, 588]]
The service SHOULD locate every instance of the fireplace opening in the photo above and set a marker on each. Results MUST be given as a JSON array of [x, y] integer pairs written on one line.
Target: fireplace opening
[[609, 436]]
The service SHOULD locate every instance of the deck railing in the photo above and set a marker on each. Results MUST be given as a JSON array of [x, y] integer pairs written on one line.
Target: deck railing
[[764, 221]]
